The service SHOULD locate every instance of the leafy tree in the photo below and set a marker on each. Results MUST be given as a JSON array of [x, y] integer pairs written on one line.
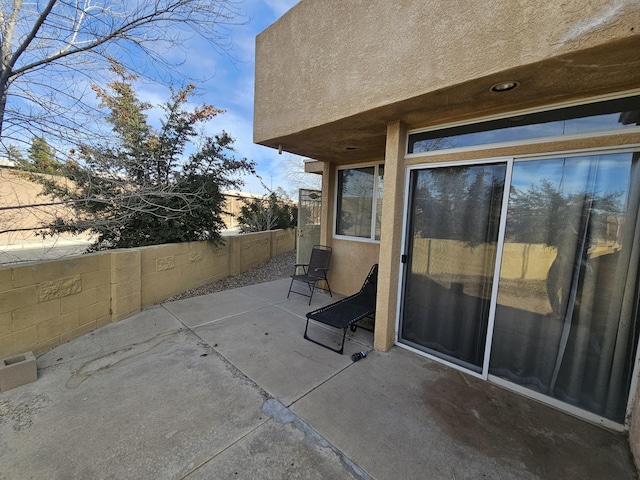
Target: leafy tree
[[462, 196], [14, 155], [144, 188], [271, 212], [51, 50], [41, 158], [542, 213]]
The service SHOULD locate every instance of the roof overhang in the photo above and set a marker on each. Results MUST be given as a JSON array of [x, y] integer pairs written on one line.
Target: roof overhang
[[355, 130]]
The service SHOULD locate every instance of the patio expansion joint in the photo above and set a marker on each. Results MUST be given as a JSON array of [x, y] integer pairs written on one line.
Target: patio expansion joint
[[226, 317], [279, 307], [269, 303], [329, 378], [211, 322], [224, 359], [282, 414], [275, 411], [227, 447]]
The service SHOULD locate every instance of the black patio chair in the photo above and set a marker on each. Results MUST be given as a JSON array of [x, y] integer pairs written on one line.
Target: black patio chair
[[313, 272], [346, 313]]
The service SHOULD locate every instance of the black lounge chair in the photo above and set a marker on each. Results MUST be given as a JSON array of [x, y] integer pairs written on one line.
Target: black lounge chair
[[314, 271], [346, 313]]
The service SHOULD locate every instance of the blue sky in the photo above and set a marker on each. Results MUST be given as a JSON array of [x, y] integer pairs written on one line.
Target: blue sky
[[230, 87]]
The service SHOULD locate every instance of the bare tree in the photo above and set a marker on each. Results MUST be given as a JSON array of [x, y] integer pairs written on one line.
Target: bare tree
[[270, 212], [296, 177], [51, 51]]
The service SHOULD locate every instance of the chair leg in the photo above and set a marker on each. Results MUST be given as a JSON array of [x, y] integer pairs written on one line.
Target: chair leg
[[337, 350], [328, 287], [344, 336], [312, 286], [291, 285], [355, 325]]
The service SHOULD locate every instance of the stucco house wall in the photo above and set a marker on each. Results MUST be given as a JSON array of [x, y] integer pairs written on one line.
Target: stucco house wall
[[346, 69], [343, 82]]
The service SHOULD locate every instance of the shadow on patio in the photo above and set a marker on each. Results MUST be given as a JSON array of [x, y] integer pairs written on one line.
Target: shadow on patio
[[224, 386]]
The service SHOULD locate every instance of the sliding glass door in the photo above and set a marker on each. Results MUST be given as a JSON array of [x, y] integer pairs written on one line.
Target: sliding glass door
[[454, 218], [566, 325], [561, 313]]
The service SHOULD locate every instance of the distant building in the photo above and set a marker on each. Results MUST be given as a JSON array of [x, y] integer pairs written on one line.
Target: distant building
[[6, 163]]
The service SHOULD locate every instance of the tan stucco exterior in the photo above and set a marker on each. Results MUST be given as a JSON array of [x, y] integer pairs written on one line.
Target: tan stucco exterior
[[333, 74], [391, 237]]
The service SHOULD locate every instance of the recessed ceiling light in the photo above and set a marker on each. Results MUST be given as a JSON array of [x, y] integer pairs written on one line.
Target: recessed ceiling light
[[504, 86]]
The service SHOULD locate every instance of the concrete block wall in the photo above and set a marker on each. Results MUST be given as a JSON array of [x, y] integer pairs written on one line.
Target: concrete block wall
[[126, 283], [47, 303], [282, 241], [254, 249], [167, 270]]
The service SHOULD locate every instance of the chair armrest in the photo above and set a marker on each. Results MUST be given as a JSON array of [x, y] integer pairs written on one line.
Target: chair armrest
[[298, 265]]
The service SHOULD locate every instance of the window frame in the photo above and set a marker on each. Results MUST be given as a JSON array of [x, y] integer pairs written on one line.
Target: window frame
[[374, 207], [529, 141]]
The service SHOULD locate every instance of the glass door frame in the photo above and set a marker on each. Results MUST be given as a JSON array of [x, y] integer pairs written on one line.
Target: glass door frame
[[510, 161]]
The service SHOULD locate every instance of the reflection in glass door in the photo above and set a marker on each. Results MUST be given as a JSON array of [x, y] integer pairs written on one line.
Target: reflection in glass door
[[453, 228], [562, 304], [566, 316]]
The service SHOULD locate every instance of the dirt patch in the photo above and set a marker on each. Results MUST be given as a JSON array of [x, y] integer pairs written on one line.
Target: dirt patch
[[23, 415]]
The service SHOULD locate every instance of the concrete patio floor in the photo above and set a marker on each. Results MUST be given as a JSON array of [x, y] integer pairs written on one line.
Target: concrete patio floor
[[224, 386]]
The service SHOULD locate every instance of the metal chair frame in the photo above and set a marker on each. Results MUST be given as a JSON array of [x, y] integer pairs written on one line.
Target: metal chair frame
[[346, 313], [315, 271]]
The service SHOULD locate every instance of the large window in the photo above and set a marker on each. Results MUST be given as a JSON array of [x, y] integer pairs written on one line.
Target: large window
[[526, 271], [359, 202]]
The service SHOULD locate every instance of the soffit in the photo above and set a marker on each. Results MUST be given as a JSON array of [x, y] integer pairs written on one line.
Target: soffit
[[614, 67]]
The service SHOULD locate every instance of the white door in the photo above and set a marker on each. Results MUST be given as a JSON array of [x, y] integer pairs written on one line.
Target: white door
[[309, 215]]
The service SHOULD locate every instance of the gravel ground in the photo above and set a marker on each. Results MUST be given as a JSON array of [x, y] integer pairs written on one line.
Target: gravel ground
[[274, 269]]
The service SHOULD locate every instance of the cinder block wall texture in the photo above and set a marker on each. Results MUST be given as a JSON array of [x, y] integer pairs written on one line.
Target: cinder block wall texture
[[47, 303]]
